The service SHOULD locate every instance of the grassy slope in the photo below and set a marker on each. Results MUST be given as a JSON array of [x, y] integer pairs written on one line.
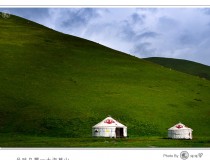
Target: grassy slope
[[185, 66], [154, 141], [59, 85]]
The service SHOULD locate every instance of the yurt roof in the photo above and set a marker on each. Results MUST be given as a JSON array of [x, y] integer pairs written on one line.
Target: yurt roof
[[109, 122], [179, 126]]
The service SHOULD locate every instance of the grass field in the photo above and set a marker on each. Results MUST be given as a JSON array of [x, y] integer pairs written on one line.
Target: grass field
[[184, 66], [145, 142], [55, 87]]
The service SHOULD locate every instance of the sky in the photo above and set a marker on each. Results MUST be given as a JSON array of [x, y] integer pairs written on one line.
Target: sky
[[182, 33]]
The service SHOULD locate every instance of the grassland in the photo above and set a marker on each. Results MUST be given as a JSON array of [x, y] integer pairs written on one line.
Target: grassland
[[55, 87], [18, 140], [185, 66]]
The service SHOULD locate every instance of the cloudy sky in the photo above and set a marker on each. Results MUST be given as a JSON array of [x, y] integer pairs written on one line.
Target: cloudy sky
[[143, 32]]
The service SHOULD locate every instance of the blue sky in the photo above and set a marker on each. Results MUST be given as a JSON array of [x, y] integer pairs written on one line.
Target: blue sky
[[143, 32]]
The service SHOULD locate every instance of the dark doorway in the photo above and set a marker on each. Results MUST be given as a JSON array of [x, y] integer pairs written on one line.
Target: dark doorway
[[119, 132]]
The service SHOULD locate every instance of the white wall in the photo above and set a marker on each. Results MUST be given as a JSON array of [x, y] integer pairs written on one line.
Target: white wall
[[180, 134], [107, 132]]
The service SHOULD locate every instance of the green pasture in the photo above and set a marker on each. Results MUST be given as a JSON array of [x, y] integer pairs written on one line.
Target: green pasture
[[55, 87]]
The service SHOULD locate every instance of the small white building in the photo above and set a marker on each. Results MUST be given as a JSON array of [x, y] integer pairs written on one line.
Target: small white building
[[109, 127], [180, 131]]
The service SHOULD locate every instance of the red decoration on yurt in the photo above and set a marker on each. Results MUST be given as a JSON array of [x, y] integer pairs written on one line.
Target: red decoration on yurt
[[109, 121], [179, 126]]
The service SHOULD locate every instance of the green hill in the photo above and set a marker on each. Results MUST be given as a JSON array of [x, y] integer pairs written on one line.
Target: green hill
[[185, 66], [57, 85]]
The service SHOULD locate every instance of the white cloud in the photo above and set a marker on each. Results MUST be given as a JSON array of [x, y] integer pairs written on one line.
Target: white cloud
[[166, 32]]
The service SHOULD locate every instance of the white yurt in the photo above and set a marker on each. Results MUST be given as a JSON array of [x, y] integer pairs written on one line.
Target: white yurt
[[180, 131], [109, 127]]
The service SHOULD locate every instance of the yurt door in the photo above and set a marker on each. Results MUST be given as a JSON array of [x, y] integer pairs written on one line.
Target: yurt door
[[119, 132]]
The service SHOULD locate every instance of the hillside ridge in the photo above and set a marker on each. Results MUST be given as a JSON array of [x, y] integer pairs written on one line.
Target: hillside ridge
[[185, 66]]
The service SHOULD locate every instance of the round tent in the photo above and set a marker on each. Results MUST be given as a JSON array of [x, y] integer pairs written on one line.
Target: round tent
[[109, 127], [180, 131]]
